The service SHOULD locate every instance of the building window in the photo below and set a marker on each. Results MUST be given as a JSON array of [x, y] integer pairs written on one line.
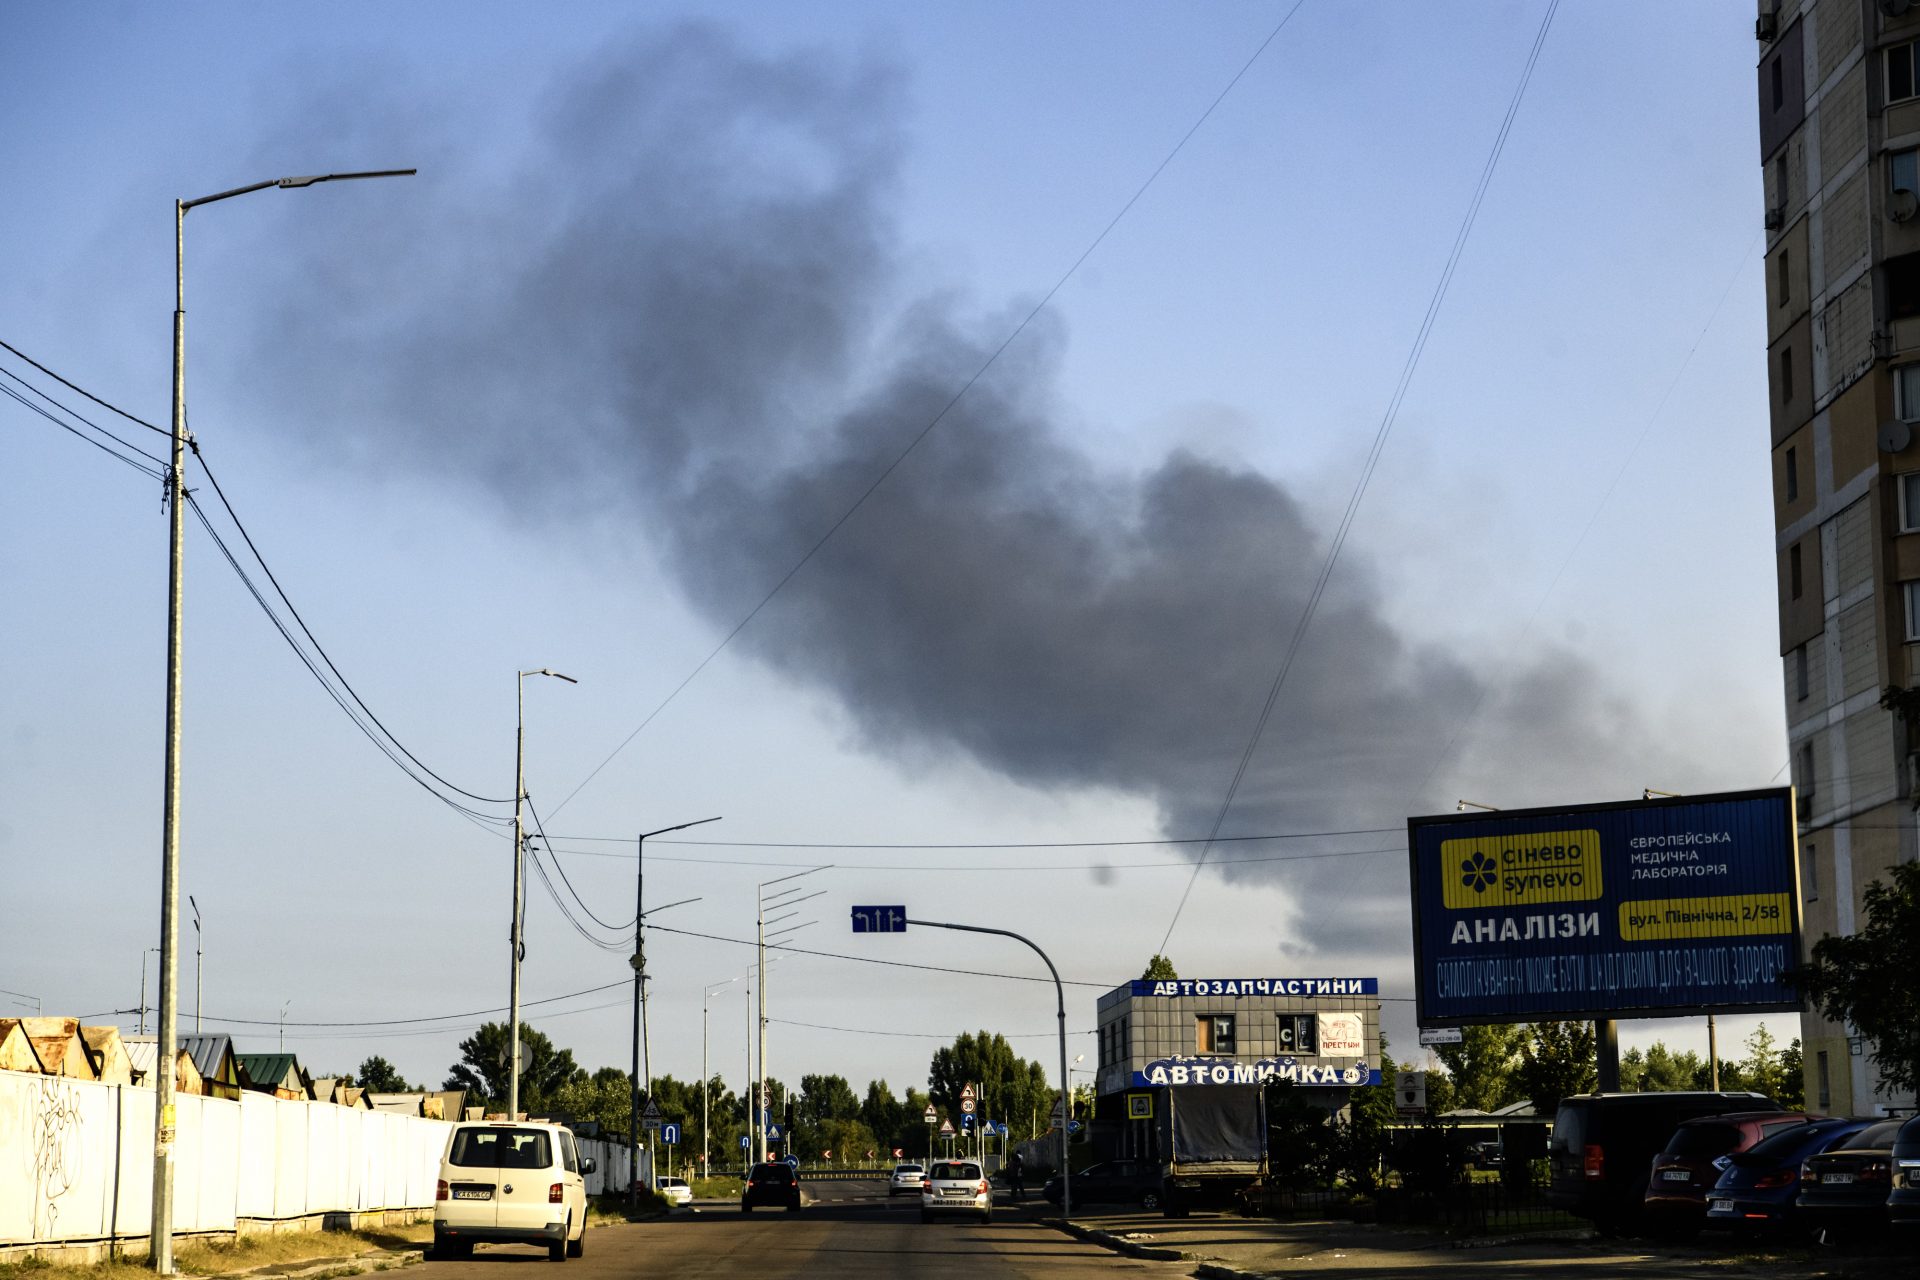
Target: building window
[[1296, 1035], [1906, 392], [1783, 276], [1903, 170], [1786, 375], [1794, 577], [1792, 468], [1824, 1078], [1779, 86], [1800, 673], [1900, 78], [1213, 1033], [1810, 873], [1910, 592], [1806, 774], [1780, 180]]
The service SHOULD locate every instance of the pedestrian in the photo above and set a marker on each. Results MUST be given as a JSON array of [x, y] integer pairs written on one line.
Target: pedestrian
[[1017, 1177]]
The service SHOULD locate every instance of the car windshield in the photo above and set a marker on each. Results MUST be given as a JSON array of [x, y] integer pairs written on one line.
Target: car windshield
[[1787, 1143], [908, 1168], [1876, 1137], [501, 1148], [956, 1172]]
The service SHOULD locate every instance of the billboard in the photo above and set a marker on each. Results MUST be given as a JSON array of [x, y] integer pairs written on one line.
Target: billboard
[[1640, 909]]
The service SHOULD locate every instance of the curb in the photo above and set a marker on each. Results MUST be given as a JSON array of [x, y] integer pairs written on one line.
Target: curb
[[1215, 1271], [1574, 1235], [1119, 1244], [358, 1264]]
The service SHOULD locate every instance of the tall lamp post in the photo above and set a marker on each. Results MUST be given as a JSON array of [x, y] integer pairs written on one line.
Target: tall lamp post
[[199, 987], [639, 962], [706, 1075], [160, 1241], [515, 935]]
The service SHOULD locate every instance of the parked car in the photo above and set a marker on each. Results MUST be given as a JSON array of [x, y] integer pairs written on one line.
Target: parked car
[[674, 1191], [907, 1179], [1843, 1192], [506, 1183], [1690, 1163], [956, 1186], [1903, 1205], [772, 1183], [1604, 1143], [1758, 1188], [1115, 1182]]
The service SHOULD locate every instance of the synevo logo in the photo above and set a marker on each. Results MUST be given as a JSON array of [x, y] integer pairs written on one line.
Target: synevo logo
[[1518, 871]]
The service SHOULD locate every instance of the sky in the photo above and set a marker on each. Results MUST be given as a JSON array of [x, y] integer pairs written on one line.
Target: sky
[[920, 433]]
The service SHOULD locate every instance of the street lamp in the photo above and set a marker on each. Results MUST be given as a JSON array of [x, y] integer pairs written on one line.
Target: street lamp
[[160, 1242], [706, 1075], [639, 961], [515, 937]]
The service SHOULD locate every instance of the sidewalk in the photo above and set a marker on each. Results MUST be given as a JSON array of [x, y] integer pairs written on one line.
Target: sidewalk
[[1225, 1247]]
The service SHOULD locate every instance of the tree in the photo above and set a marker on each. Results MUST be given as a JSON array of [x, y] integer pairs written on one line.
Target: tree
[[1793, 1093], [1012, 1089], [1159, 969], [484, 1066], [377, 1075], [1764, 1070], [1870, 980], [1557, 1060], [605, 1098], [1481, 1066]]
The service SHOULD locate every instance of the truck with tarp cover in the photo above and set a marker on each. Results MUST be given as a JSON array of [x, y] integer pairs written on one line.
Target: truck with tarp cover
[[1213, 1142]]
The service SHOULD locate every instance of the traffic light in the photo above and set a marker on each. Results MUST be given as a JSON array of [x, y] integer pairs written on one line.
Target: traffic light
[[789, 1113]]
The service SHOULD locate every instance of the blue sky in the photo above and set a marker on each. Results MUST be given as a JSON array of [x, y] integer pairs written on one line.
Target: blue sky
[[1574, 498]]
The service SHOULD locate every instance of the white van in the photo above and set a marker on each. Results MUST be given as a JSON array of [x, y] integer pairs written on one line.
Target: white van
[[511, 1183]]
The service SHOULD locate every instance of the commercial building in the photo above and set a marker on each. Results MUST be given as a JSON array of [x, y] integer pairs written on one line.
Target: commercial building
[[1839, 98]]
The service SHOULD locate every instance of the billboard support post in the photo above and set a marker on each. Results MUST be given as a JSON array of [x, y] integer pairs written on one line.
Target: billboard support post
[[1606, 1044]]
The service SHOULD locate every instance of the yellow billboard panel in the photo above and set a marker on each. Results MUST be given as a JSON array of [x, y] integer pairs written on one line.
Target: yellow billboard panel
[[1520, 871], [1728, 916]]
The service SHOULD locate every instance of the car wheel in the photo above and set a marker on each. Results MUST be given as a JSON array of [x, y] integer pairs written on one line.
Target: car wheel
[[1150, 1201], [745, 1207], [926, 1215], [986, 1216], [576, 1248]]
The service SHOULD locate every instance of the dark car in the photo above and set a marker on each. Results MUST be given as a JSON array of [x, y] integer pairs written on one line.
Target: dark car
[[1903, 1205], [1676, 1201], [1757, 1190], [1843, 1192], [1115, 1182], [773, 1183], [1604, 1143]]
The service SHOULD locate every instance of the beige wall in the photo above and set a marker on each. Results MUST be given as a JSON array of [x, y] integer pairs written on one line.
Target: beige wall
[[1785, 512], [1787, 293], [1853, 426], [1801, 619], [1791, 411]]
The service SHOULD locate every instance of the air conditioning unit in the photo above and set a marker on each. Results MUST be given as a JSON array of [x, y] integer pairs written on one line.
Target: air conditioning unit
[[1767, 27], [1776, 217], [1902, 205]]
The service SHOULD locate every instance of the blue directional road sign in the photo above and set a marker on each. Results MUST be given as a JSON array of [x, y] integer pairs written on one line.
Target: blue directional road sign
[[670, 1133], [775, 1131], [966, 1121], [1073, 1126], [1001, 1129], [744, 1142], [880, 919], [793, 1162]]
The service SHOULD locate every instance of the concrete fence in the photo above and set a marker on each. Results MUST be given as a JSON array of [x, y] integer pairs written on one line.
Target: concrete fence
[[76, 1161]]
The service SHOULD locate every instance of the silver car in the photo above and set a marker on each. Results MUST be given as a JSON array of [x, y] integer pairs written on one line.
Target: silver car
[[907, 1179], [956, 1186]]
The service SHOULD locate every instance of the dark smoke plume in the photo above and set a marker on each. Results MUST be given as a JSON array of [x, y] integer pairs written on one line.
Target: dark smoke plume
[[682, 296]]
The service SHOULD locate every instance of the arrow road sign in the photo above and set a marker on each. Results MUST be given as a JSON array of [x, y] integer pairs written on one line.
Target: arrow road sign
[[744, 1142], [793, 1161], [670, 1133], [880, 919], [1000, 1129]]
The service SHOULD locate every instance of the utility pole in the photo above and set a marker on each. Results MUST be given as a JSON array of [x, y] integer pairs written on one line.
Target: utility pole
[[516, 935], [760, 922], [642, 1054], [199, 988]]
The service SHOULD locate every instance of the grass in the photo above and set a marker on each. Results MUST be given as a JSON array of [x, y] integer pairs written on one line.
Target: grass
[[246, 1254], [722, 1188]]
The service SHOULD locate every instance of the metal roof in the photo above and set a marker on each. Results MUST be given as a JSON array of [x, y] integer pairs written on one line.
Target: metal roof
[[273, 1069], [208, 1052]]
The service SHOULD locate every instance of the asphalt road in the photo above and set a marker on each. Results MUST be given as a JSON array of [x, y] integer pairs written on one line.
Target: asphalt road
[[848, 1229]]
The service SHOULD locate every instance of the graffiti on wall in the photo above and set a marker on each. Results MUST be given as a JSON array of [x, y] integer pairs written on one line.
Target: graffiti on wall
[[56, 1151]]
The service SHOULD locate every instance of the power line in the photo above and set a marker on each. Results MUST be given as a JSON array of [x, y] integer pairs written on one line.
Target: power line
[[408, 1022], [83, 391], [1000, 868], [611, 928], [986, 364], [152, 472], [318, 648], [1380, 437], [1012, 844], [920, 1035], [91, 425]]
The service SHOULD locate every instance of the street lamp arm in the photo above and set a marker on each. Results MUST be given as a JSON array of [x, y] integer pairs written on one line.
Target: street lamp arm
[[683, 902], [648, 835], [289, 183]]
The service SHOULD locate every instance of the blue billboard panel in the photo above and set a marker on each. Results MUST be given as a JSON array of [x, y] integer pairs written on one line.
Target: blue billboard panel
[[1645, 908]]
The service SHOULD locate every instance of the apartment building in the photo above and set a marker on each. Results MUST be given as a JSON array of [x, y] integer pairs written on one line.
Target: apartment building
[[1839, 97]]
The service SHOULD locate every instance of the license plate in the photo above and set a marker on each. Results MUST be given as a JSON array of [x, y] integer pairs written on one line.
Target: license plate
[[956, 1195], [473, 1193], [1722, 1206], [1841, 1178], [1677, 1175]]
